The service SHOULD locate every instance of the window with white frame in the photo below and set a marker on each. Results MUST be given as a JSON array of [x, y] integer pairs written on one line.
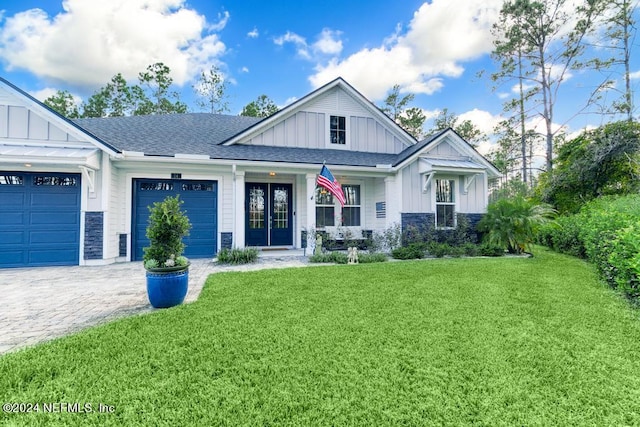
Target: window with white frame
[[325, 208], [351, 209], [445, 203], [338, 130]]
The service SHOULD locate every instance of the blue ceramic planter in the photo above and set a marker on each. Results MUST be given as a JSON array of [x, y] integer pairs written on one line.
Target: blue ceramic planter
[[167, 289]]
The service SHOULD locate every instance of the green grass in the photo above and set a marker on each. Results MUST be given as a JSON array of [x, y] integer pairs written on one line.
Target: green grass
[[506, 341]]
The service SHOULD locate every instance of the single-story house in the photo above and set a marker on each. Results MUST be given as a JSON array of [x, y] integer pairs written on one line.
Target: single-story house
[[75, 192]]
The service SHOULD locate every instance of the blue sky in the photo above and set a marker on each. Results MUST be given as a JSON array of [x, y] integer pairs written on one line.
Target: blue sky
[[279, 48]]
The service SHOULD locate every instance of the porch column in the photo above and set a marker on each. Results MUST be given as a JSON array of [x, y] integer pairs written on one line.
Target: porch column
[[311, 209], [393, 199], [238, 225]]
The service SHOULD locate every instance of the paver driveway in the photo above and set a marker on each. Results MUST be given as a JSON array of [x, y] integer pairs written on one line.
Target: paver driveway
[[38, 304]]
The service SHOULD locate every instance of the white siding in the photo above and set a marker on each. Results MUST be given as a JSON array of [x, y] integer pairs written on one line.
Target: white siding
[[444, 149], [226, 200], [116, 210], [379, 195], [413, 198], [20, 123], [308, 127], [474, 200]]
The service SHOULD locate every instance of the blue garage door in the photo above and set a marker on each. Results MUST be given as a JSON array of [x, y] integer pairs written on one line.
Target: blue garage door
[[200, 203], [40, 219]]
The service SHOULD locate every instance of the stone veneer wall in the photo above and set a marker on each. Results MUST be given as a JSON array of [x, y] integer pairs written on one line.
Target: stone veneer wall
[[226, 240], [93, 235]]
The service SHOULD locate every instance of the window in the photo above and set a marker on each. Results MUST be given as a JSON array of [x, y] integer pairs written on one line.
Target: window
[[351, 209], [445, 203], [325, 209], [11, 180], [57, 181], [338, 130]]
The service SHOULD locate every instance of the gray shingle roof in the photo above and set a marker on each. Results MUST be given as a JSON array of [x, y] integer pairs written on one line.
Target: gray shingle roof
[[201, 133]]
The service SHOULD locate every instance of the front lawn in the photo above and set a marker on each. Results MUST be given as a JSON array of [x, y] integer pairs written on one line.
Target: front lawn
[[506, 341]]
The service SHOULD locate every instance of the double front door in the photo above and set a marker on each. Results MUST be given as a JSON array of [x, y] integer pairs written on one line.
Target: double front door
[[268, 214]]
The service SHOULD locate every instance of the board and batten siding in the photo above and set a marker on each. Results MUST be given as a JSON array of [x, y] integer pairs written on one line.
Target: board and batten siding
[[309, 128], [415, 200], [444, 149], [18, 122], [117, 214], [474, 200]]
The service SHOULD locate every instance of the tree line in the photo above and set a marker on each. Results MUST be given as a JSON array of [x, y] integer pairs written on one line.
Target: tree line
[[153, 94]]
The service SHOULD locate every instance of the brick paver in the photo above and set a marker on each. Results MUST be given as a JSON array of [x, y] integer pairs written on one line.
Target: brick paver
[[39, 304]]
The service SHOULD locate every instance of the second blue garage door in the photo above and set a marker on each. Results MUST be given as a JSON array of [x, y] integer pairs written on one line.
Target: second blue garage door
[[200, 203]]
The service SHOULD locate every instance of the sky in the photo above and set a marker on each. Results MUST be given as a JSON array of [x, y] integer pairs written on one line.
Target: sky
[[280, 48]]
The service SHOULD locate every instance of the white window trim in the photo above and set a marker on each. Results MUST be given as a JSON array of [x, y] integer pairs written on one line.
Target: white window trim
[[335, 218], [347, 123], [361, 189], [454, 204]]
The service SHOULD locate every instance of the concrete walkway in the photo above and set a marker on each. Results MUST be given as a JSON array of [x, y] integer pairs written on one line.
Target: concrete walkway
[[39, 304]]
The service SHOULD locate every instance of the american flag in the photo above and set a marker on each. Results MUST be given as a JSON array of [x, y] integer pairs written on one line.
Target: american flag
[[326, 180]]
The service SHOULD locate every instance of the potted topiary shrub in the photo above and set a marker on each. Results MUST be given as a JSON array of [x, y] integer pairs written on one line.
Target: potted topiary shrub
[[167, 269]]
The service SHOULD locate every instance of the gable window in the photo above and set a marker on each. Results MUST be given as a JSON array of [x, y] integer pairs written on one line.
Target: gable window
[[351, 209], [445, 203], [338, 130], [325, 208]]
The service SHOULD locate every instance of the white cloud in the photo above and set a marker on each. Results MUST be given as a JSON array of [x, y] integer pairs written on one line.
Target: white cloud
[[441, 35], [328, 43], [90, 42], [245, 69], [299, 41], [483, 120], [634, 75], [253, 34]]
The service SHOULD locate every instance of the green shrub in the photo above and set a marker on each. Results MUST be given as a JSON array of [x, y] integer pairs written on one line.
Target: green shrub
[[513, 223], [606, 232], [371, 257], [168, 225], [415, 250], [563, 235], [238, 256], [487, 249], [439, 250], [625, 259], [470, 249], [334, 257]]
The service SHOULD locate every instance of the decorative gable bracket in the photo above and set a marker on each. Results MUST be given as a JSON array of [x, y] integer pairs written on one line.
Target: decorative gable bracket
[[468, 180], [427, 180], [90, 176]]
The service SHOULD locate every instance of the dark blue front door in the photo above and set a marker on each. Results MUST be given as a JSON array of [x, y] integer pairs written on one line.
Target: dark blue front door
[[268, 214], [201, 206], [39, 219]]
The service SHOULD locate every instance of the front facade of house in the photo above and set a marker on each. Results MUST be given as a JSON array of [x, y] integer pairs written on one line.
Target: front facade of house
[[76, 192]]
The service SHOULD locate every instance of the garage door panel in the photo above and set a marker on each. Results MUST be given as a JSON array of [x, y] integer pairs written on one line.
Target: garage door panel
[[66, 219], [12, 201], [200, 203], [41, 257], [10, 238], [40, 220], [11, 219], [57, 237], [13, 258], [61, 199]]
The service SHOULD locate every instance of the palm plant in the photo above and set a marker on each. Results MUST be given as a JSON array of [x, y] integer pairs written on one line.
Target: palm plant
[[513, 223]]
